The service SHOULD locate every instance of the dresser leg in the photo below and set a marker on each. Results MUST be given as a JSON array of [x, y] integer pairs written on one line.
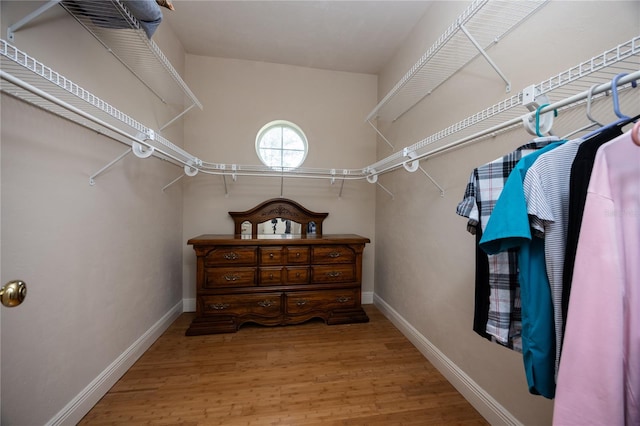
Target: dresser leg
[[347, 316], [223, 324]]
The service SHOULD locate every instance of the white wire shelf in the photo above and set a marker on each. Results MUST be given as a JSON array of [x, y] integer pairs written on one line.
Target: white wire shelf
[[131, 46], [624, 58], [484, 22], [30, 80]]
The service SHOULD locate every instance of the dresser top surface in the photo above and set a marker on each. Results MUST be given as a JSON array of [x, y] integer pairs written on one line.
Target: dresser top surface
[[275, 239]]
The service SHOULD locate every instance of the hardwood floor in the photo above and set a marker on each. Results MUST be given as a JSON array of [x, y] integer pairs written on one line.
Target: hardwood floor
[[307, 374]]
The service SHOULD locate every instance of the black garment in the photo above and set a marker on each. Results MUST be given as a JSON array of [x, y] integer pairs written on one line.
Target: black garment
[[579, 184], [482, 292]]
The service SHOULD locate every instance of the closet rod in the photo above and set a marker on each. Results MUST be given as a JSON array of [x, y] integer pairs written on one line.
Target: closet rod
[[352, 174], [280, 175], [518, 120]]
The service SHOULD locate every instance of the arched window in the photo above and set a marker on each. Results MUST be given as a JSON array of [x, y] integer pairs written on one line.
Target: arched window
[[281, 145]]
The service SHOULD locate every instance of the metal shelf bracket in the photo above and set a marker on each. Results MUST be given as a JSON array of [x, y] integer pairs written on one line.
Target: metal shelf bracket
[[386, 190], [380, 134], [173, 181], [432, 181], [33, 15], [92, 178], [486, 56]]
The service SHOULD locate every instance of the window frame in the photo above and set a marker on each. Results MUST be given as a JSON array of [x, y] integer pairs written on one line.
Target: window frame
[[281, 124]]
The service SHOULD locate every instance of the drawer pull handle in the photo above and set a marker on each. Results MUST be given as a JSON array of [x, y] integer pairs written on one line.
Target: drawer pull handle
[[231, 255], [298, 254], [231, 277], [334, 274], [334, 254], [343, 299], [301, 302], [271, 276], [271, 255], [297, 274], [265, 303], [218, 306]]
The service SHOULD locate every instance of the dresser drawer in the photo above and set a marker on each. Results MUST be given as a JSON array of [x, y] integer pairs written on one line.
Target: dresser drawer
[[223, 256], [297, 275], [230, 277], [298, 255], [308, 301], [271, 275], [274, 275], [332, 273], [333, 254], [266, 304], [272, 256]]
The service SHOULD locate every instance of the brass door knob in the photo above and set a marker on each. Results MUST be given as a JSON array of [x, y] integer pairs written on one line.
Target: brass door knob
[[13, 293]]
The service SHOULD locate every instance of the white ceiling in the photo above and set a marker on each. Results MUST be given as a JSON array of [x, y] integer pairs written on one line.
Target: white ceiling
[[356, 36]]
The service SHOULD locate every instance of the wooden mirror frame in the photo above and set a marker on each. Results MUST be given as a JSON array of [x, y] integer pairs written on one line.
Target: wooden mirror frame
[[280, 208]]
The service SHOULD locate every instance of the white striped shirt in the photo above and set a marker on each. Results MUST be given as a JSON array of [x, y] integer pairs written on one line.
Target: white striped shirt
[[546, 188]]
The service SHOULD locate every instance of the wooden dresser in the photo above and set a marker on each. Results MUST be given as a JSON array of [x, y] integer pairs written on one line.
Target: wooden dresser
[[277, 279]]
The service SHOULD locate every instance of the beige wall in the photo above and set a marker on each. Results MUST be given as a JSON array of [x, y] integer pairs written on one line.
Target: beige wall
[[105, 263], [240, 97], [425, 272], [102, 263]]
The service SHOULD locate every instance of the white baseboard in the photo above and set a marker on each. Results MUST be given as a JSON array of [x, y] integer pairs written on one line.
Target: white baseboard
[[367, 298], [79, 406], [188, 305], [488, 407]]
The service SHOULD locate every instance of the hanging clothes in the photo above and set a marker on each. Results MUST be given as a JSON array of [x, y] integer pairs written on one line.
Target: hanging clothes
[[548, 187], [497, 313], [599, 375], [508, 227]]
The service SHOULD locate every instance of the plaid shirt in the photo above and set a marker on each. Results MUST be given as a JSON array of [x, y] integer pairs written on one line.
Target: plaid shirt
[[485, 185]]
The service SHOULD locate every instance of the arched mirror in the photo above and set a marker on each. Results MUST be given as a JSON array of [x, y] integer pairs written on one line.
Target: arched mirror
[[278, 218]]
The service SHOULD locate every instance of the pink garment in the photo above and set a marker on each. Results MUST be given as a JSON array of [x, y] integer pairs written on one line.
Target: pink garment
[[599, 375]]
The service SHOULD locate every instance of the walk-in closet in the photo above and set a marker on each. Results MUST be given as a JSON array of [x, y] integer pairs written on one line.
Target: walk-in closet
[[424, 173]]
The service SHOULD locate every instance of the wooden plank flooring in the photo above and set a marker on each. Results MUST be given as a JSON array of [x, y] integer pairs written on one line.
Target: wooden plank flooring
[[308, 374]]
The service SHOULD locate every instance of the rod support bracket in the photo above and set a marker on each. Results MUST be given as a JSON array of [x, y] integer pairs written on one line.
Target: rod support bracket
[[410, 164], [532, 99], [372, 176]]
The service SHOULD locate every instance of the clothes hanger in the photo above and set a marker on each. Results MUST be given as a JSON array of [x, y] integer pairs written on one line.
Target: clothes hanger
[[614, 91], [594, 122], [589, 97], [555, 114], [623, 119]]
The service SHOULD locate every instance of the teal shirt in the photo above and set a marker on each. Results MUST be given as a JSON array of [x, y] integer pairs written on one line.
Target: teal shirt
[[508, 227]]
